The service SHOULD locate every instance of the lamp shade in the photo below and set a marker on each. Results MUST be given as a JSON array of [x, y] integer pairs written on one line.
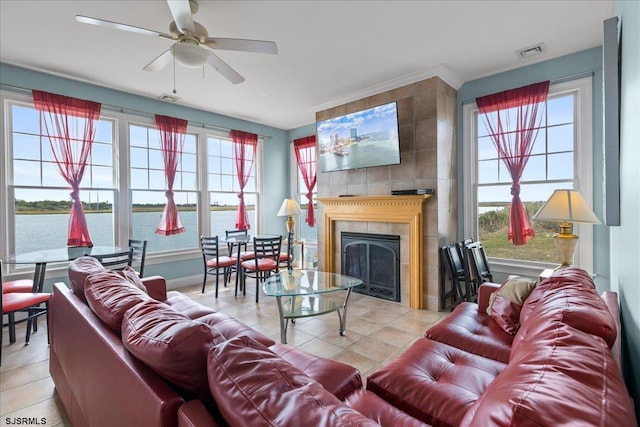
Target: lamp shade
[[289, 207], [566, 205]]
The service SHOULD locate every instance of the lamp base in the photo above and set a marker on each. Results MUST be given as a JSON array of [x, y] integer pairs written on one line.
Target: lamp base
[[566, 245], [291, 224]]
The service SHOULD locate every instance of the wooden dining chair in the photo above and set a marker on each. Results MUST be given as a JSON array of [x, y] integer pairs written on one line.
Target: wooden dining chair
[[34, 304], [214, 262], [266, 252], [116, 261], [138, 255]]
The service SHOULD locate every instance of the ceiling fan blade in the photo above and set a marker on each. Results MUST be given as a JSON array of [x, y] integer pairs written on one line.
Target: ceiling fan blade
[[243, 45], [181, 12], [119, 26], [161, 61], [224, 69]]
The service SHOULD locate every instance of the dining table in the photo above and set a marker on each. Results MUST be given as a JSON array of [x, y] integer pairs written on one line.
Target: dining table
[[41, 258], [240, 241]]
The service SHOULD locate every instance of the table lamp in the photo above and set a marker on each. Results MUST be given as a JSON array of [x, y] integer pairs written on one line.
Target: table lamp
[[567, 207], [289, 208]]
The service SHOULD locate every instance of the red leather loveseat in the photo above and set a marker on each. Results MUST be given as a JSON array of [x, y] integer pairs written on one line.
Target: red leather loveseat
[[562, 366], [132, 354]]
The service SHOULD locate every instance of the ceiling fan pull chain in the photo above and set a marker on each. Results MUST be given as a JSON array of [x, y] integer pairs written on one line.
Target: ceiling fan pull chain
[[174, 74]]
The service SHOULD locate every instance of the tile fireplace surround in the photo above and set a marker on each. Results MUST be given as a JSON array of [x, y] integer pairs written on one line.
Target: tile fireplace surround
[[391, 209]]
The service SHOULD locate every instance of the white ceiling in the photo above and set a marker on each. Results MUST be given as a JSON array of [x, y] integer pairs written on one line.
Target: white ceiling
[[330, 52]]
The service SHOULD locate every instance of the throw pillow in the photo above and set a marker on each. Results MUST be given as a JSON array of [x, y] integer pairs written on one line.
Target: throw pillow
[[505, 303]]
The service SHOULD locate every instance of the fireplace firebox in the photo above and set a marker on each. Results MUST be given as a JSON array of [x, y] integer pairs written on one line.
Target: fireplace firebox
[[375, 259]]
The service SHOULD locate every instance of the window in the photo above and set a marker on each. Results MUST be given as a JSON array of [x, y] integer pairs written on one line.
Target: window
[[123, 187], [39, 196], [223, 187], [148, 187], [305, 231], [561, 158]]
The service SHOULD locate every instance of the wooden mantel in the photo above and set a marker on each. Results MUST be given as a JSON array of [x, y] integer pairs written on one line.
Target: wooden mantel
[[398, 209]]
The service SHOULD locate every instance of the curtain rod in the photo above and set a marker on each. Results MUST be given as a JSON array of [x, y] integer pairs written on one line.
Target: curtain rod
[[552, 81], [117, 109]]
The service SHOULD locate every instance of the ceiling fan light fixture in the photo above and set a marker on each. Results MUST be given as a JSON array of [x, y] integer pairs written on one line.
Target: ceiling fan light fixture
[[190, 55]]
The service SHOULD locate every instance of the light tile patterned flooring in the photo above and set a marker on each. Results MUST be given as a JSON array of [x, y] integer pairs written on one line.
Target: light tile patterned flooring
[[377, 332]]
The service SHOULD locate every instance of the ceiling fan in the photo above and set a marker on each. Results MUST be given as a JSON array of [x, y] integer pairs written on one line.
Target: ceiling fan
[[192, 42]]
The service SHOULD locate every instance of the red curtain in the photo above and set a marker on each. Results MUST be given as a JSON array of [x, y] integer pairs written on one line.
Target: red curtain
[[244, 153], [306, 158], [172, 133], [513, 119], [70, 125]]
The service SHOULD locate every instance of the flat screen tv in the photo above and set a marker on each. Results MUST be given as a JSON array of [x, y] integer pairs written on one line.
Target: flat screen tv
[[363, 139]]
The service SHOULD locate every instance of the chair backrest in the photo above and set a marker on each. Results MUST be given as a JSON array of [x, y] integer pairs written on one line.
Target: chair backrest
[[236, 233], [115, 261], [267, 247], [139, 254], [478, 262], [452, 263], [209, 246], [290, 239]]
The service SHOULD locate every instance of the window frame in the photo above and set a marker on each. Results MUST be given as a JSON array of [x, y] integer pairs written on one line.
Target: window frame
[[583, 168]]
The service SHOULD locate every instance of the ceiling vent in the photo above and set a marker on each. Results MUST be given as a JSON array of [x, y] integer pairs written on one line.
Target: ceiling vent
[[531, 50], [168, 98]]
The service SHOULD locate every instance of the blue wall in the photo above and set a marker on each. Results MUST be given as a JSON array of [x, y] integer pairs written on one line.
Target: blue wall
[[570, 67], [276, 149], [625, 255]]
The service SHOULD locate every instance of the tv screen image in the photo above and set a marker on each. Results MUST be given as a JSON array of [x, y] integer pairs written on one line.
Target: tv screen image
[[363, 139]]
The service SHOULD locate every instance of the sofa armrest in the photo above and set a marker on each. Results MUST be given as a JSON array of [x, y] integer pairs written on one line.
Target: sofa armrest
[[611, 300], [485, 290], [156, 287], [194, 413]]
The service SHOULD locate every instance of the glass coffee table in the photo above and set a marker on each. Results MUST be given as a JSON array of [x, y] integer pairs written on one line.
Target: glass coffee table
[[303, 293]]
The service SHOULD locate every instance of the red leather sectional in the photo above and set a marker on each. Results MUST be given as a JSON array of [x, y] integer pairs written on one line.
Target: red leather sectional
[[562, 367], [120, 356]]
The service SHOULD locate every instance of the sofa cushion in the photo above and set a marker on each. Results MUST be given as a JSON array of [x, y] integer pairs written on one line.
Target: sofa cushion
[[254, 387], [505, 304], [381, 411], [78, 270], [109, 296], [569, 378], [231, 328], [570, 293], [185, 305], [475, 332], [171, 344], [336, 377], [132, 276], [434, 382]]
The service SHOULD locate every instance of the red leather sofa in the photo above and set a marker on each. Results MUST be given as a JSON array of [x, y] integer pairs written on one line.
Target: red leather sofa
[[129, 353], [562, 366]]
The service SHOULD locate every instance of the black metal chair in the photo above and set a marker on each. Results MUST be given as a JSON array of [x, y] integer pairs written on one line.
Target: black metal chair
[[214, 262], [265, 261], [139, 255], [116, 261], [479, 266], [454, 267], [286, 257]]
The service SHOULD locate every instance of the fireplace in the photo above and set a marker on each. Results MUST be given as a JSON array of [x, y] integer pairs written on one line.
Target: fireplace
[[375, 259]]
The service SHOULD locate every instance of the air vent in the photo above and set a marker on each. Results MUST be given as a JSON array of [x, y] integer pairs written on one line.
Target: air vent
[[168, 98], [531, 50]]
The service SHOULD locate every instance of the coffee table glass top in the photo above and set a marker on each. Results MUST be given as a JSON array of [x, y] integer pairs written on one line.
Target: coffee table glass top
[[307, 282]]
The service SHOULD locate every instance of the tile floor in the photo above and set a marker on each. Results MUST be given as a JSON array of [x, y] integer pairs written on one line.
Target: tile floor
[[377, 332]]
